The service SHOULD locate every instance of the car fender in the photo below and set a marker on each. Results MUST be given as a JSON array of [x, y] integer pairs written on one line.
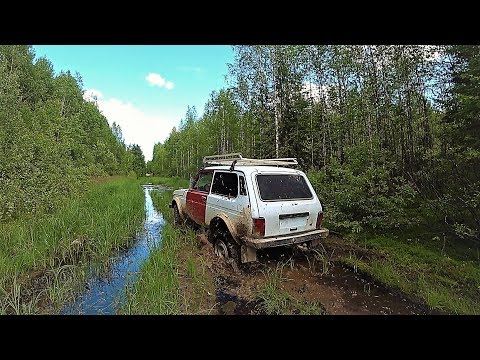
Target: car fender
[[179, 207], [230, 225]]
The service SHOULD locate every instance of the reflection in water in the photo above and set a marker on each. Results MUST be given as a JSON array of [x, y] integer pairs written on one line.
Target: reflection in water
[[105, 290]]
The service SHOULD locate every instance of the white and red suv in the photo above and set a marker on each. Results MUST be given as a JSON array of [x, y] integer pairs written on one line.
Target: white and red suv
[[250, 204]]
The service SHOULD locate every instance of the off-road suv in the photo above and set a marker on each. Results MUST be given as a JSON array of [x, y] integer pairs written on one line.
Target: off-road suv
[[250, 204]]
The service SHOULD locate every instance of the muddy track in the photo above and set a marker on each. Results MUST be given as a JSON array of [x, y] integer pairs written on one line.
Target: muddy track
[[338, 289]]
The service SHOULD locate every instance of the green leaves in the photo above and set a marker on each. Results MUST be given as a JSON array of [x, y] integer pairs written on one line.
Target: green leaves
[[135, 155], [50, 138], [363, 193]]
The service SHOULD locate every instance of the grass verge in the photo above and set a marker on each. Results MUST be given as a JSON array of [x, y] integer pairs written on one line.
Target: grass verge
[[444, 283], [173, 280], [43, 258]]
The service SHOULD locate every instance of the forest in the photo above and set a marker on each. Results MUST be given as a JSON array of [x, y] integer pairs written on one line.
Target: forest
[[52, 141], [388, 135]]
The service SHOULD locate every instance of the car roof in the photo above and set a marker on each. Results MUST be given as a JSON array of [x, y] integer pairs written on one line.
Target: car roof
[[248, 169]]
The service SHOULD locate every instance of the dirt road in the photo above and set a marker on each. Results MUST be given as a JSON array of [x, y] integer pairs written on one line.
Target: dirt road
[[322, 282]]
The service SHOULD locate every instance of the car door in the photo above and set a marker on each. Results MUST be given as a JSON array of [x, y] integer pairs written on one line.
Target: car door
[[197, 197], [226, 196]]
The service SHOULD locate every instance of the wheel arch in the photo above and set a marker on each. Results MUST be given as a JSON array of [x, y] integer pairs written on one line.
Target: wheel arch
[[222, 220], [177, 202]]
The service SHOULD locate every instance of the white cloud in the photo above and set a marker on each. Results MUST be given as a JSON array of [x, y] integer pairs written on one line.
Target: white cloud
[[157, 80], [92, 95], [138, 127]]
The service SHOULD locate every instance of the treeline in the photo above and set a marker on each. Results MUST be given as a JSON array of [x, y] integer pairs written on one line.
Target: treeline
[[313, 102], [389, 134], [51, 139]]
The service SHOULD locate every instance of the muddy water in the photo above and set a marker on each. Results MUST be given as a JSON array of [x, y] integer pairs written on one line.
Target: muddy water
[[230, 303], [105, 290], [340, 291]]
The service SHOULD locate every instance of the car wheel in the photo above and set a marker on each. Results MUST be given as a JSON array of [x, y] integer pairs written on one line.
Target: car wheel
[[221, 249], [177, 219], [229, 251], [234, 252]]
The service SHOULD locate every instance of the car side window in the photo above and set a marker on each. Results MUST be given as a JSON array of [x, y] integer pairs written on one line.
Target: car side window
[[225, 183], [203, 182], [243, 190]]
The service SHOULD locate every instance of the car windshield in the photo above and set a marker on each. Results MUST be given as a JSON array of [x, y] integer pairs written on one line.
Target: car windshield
[[283, 187]]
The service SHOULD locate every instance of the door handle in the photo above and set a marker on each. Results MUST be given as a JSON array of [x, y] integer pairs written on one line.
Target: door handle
[[204, 198]]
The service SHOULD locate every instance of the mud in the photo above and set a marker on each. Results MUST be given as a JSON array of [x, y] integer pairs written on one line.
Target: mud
[[343, 291], [338, 289], [229, 303]]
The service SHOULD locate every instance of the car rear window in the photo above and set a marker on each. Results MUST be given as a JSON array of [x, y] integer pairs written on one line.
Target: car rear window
[[283, 187]]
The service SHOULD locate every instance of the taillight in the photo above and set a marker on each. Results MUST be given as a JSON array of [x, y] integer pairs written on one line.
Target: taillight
[[319, 220], [259, 227]]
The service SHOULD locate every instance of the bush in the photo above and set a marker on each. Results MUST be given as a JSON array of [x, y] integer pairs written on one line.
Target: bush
[[362, 193]]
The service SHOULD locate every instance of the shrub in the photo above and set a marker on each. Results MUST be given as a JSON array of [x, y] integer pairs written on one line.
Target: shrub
[[362, 193]]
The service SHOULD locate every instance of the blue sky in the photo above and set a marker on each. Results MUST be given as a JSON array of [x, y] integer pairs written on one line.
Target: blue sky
[[145, 89]]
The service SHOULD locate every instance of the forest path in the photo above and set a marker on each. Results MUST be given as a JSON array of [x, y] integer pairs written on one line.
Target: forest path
[[321, 281]]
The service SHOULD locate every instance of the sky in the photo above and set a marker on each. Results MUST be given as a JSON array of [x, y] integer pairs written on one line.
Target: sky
[[144, 89]]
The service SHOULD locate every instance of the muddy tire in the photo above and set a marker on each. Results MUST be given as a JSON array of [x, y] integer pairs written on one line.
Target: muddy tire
[[221, 249], [234, 251], [192, 224], [299, 252], [228, 250], [177, 218]]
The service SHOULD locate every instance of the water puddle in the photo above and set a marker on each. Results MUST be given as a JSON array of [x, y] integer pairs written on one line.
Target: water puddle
[[105, 290], [231, 304]]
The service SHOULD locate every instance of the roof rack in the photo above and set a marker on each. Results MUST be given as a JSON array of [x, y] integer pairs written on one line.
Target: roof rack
[[237, 159]]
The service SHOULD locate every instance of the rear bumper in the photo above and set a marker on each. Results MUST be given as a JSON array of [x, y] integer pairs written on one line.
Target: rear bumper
[[286, 240]]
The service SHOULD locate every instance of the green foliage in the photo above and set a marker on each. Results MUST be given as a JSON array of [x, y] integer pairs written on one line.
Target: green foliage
[[137, 160], [389, 134], [161, 201], [51, 139], [359, 117], [362, 193], [182, 153], [458, 164]]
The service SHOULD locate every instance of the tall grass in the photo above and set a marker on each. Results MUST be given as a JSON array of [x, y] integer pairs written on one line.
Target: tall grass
[[161, 201], [84, 229], [444, 283], [158, 289]]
